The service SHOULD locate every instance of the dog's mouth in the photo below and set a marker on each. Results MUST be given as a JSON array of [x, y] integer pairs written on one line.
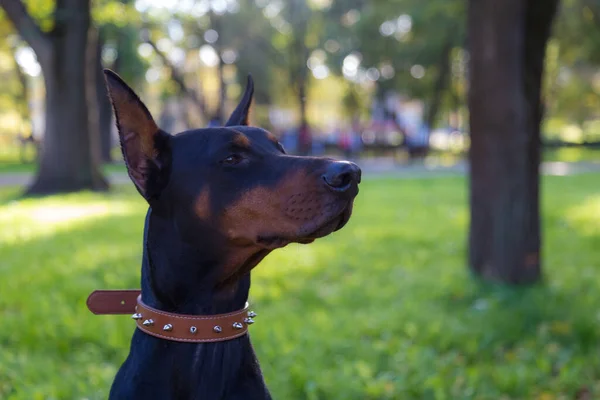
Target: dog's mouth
[[333, 224]]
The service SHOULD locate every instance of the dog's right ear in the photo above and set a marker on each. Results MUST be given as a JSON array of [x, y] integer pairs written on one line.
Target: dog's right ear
[[146, 148], [240, 114]]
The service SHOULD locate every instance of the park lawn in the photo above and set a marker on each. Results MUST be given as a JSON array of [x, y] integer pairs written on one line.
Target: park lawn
[[384, 309], [17, 167]]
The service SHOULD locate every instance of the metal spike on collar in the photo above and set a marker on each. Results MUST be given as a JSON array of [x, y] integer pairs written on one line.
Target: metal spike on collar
[[238, 325], [248, 321], [168, 327], [251, 314], [193, 329], [136, 316], [148, 322], [217, 329]]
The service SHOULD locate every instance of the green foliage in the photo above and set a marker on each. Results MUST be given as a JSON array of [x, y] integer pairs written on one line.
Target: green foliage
[[383, 309], [573, 57], [433, 24]]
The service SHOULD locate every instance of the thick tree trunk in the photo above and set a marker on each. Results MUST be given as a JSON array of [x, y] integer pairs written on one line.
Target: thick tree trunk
[[68, 162], [104, 107], [507, 47]]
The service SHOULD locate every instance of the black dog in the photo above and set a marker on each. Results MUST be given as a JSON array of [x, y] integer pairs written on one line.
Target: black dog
[[220, 200]]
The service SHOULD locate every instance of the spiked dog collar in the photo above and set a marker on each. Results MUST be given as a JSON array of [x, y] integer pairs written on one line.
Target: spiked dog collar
[[171, 326]]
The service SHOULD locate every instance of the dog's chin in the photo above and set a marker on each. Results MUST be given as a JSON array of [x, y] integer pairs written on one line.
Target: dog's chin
[[330, 226], [325, 228]]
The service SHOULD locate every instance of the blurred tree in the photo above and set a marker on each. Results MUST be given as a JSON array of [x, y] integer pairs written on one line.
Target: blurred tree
[[401, 46], [70, 157], [302, 29], [103, 101], [227, 38], [415, 39], [507, 48], [21, 98], [249, 46], [572, 63], [179, 79], [118, 39]]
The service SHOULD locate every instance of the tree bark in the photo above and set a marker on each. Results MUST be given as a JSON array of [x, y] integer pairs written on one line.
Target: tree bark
[[507, 46], [67, 161]]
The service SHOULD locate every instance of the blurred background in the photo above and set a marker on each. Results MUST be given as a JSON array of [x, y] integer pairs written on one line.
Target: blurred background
[[470, 269]]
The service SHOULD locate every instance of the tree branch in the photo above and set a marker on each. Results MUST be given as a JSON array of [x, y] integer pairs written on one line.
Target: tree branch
[[27, 28], [178, 79]]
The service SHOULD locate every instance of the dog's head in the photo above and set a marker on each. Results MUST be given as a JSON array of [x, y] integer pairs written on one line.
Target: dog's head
[[234, 185]]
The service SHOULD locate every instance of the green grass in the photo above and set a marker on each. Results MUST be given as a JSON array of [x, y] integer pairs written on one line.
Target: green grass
[[572, 154], [384, 309], [18, 167]]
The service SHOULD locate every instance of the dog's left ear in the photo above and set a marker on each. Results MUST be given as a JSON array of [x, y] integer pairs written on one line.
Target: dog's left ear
[[146, 148], [240, 114]]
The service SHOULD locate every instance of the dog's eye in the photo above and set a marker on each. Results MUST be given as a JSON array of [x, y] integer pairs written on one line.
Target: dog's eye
[[232, 159]]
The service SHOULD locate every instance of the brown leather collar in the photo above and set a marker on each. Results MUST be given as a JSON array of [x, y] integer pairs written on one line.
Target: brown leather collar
[[170, 326]]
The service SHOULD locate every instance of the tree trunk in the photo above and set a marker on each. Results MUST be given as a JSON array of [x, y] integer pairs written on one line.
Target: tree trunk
[[299, 14], [300, 79], [216, 24], [507, 46], [220, 114], [67, 162], [440, 85], [104, 107], [304, 133]]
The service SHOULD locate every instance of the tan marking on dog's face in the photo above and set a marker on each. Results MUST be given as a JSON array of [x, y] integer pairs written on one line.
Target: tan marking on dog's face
[[241, 140], [264, 211], [280, 211], [272, 138], [202, 205]]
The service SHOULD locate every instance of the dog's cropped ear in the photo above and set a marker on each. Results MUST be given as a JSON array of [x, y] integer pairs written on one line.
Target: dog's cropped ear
[[146, 148], [240, 114]]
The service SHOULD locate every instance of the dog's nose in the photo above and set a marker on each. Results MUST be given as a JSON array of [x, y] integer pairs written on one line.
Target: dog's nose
[[340, 175]]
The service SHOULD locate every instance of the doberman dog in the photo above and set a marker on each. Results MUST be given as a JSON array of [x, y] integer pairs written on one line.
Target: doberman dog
[[220, 199]]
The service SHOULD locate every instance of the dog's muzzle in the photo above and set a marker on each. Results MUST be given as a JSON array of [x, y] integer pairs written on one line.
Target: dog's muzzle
[[170, 326]]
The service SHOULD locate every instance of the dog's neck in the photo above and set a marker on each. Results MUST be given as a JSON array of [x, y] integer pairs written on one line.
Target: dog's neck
[[182, 280], [185, 279]]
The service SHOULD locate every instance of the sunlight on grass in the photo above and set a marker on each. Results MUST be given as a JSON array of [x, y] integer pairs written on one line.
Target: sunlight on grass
[[35, 218], [586, 216], [383, 309]]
